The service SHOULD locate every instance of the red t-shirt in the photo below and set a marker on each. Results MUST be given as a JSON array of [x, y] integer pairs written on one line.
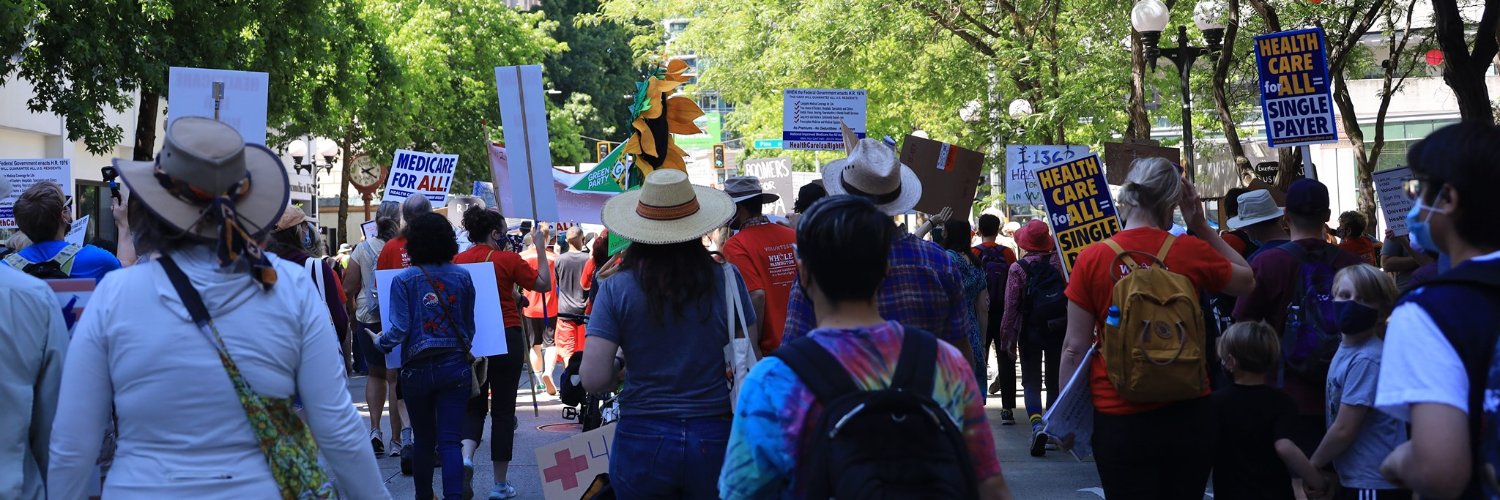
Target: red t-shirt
[[1091, 286], [534, 299], [510, 272], [393, 255], [764, 255], [1363, 248], [1010, 255], [1236, 242], [587, 280]]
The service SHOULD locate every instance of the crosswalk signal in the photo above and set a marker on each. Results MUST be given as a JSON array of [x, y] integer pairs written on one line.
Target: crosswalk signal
[[719, 156], [602, 150]]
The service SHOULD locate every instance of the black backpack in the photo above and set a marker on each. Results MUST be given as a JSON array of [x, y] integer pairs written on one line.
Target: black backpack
[[1046, 306], [894, 442], [996, 268], [1310, 336]]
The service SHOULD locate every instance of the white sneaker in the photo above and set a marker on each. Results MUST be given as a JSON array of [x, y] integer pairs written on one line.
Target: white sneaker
[[503, 491]]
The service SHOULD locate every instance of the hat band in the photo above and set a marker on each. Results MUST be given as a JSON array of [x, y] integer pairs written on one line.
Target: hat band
[[674, 212], [879, 199]]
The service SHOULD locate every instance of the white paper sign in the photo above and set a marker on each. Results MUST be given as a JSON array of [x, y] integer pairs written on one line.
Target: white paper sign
[[1071, 418], [569, 466], [371, 229], [810, 118], [1021, 164], [77, 230], [1394, 202], [22, 173], [190, 92], [524, 118], [489, 321], [415, 172]]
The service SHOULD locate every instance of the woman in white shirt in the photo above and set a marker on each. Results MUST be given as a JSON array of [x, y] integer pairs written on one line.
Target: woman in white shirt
[[183, 431]]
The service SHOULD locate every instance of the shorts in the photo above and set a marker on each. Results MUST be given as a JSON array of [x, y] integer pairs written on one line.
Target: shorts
[[540, 330], [374, 357], [570, 336]]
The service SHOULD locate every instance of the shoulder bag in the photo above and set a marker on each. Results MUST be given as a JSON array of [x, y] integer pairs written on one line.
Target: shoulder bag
[[478, 366], [738, 356], [283, 437]]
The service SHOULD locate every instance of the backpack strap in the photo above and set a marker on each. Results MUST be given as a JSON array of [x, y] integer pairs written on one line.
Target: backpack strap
[[819, 371], [65, 258], [916, 369], [1120, 253], [1166, 246], [17, 261]]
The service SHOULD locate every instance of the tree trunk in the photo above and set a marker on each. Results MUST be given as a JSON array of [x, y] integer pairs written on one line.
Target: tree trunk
[[1290, 160], [1139, 125], [1221, 97], [348, 147], [147, 110], [1463, 71], [1364, 160]]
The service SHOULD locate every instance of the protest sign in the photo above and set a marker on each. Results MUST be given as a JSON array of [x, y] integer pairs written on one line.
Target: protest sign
[[73, 295], [1070, 420], [77, 230], [1079, 206], [489, 321], [569, 466], [949, 174], [572, 205], [1394, 203], [811, 118], [1119, 156], [418, 173], [1021, 163], [1295, 91], [22, 173], [775, 176], [524, 118], [370, 229], [242, 105]]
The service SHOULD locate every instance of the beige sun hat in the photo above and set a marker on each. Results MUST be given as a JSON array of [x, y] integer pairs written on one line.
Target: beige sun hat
[[872, 170], [1255, 207], [667, 209], [201, 159]]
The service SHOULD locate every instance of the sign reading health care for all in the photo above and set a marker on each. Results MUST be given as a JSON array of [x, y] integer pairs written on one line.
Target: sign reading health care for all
[[812, 119], [1079, 206], [1295, 90], [417, 173]]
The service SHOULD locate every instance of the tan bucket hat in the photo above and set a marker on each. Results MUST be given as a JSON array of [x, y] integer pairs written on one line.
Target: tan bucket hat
[[1255, 207], [201, 159], [667, 209], [872, 170]]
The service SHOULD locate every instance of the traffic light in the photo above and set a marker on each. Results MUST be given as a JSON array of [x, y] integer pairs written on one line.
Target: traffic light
[[719, 156], [602, 149]]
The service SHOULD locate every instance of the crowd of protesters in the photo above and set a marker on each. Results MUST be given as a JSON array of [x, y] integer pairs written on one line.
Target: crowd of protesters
[[1251, 356]]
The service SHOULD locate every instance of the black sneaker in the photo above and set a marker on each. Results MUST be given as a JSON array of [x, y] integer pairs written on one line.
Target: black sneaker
[[1038, 443], [375, 442], [468, 482], [406, 462], [1007, 417]]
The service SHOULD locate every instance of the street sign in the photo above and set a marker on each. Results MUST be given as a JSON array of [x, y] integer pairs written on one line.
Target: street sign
[[810, 118], [767, 144], [1295, 90]]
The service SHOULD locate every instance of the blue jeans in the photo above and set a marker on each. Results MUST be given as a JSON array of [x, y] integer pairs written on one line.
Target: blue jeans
[[436, 390], [668, 457]]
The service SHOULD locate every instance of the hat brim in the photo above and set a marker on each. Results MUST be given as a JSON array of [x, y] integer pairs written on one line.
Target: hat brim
[[911, 187], [1239, 222], [259, 210], [764, 198], [714, 210]]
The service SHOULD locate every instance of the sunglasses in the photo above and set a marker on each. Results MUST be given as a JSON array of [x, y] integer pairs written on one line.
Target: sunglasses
[[1413, 187]]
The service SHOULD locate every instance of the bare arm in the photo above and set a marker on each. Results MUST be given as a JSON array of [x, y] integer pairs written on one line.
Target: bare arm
[[598, 370], [1298, 463], [1079, 337], [933, 221], [1340, 435], [353, 282], [758, 300], [125, 247], [543, 270], [1435, 462]]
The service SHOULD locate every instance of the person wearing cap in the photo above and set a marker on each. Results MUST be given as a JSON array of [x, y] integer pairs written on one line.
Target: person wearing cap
[[1277, 273], [1262, 222], [764, 253], [137, 352], [1038, 340], [293, 240], [665, 310], [921, 286], [1439, 371], [44, 214], [359, 286]]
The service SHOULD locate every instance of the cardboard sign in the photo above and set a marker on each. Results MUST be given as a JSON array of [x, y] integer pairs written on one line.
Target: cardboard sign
[[1021, 163], [775, 176], [418, 173], [1079, 206], [524, 117], [949, 174], [489, 321], [190, 92], [569, 466], [22, 173], [1295, 90], [1118, 157], [1394, 203], [570, 205], [370, 229], [811, 118], [77, 230]]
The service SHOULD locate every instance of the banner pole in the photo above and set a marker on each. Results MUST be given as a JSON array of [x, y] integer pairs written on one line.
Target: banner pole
[[1307, 163]]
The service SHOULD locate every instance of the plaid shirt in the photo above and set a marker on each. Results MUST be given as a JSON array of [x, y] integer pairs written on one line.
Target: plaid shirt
[[921, 290]]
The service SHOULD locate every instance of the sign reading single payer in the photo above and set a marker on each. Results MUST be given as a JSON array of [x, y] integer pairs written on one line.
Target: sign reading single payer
[[1295, 90], [1079, 207]]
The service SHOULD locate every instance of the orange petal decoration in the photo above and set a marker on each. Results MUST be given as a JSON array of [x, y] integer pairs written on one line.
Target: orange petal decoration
[[675, 70], [681, 111]]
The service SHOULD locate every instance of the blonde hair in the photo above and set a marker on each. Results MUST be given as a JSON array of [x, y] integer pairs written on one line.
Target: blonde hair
[[1373, 287], [1254, 346], [1153, 185]]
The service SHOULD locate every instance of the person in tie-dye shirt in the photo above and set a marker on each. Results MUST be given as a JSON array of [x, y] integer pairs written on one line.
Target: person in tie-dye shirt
[[843, 243]]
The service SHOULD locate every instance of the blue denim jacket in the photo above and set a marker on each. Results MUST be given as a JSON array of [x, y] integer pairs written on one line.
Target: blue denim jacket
[[418, 319]]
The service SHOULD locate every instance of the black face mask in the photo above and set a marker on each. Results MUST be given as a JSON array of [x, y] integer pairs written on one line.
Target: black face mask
[[1354, 317]]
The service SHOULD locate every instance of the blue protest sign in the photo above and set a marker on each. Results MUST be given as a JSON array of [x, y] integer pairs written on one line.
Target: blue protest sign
[[1079, 207], [1295, 90]]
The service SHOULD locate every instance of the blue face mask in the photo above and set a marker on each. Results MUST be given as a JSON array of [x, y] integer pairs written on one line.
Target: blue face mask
[[1417, 226]]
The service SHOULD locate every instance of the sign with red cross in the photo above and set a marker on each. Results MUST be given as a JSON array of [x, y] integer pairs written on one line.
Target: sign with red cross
[[569, 466]]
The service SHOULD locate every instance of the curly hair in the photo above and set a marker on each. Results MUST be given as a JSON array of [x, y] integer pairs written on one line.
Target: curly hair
[[430, 240]]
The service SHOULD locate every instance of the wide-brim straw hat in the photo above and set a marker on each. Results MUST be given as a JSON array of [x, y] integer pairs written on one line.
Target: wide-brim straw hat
[[210, 158], [667, 209], [873, 171]]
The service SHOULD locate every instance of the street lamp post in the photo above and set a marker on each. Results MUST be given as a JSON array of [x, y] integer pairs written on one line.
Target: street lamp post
[[1149, 17], [313, 149]]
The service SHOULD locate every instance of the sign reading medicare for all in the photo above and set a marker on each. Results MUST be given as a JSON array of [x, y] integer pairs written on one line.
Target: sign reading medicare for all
[[416, 173], [1295, 90]]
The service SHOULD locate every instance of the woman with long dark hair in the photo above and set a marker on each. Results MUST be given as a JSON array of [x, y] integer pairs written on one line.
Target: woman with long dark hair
[[957, 239], [666, 311]]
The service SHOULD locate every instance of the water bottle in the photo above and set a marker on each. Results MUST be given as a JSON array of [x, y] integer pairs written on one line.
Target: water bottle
[[1113, 319]]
